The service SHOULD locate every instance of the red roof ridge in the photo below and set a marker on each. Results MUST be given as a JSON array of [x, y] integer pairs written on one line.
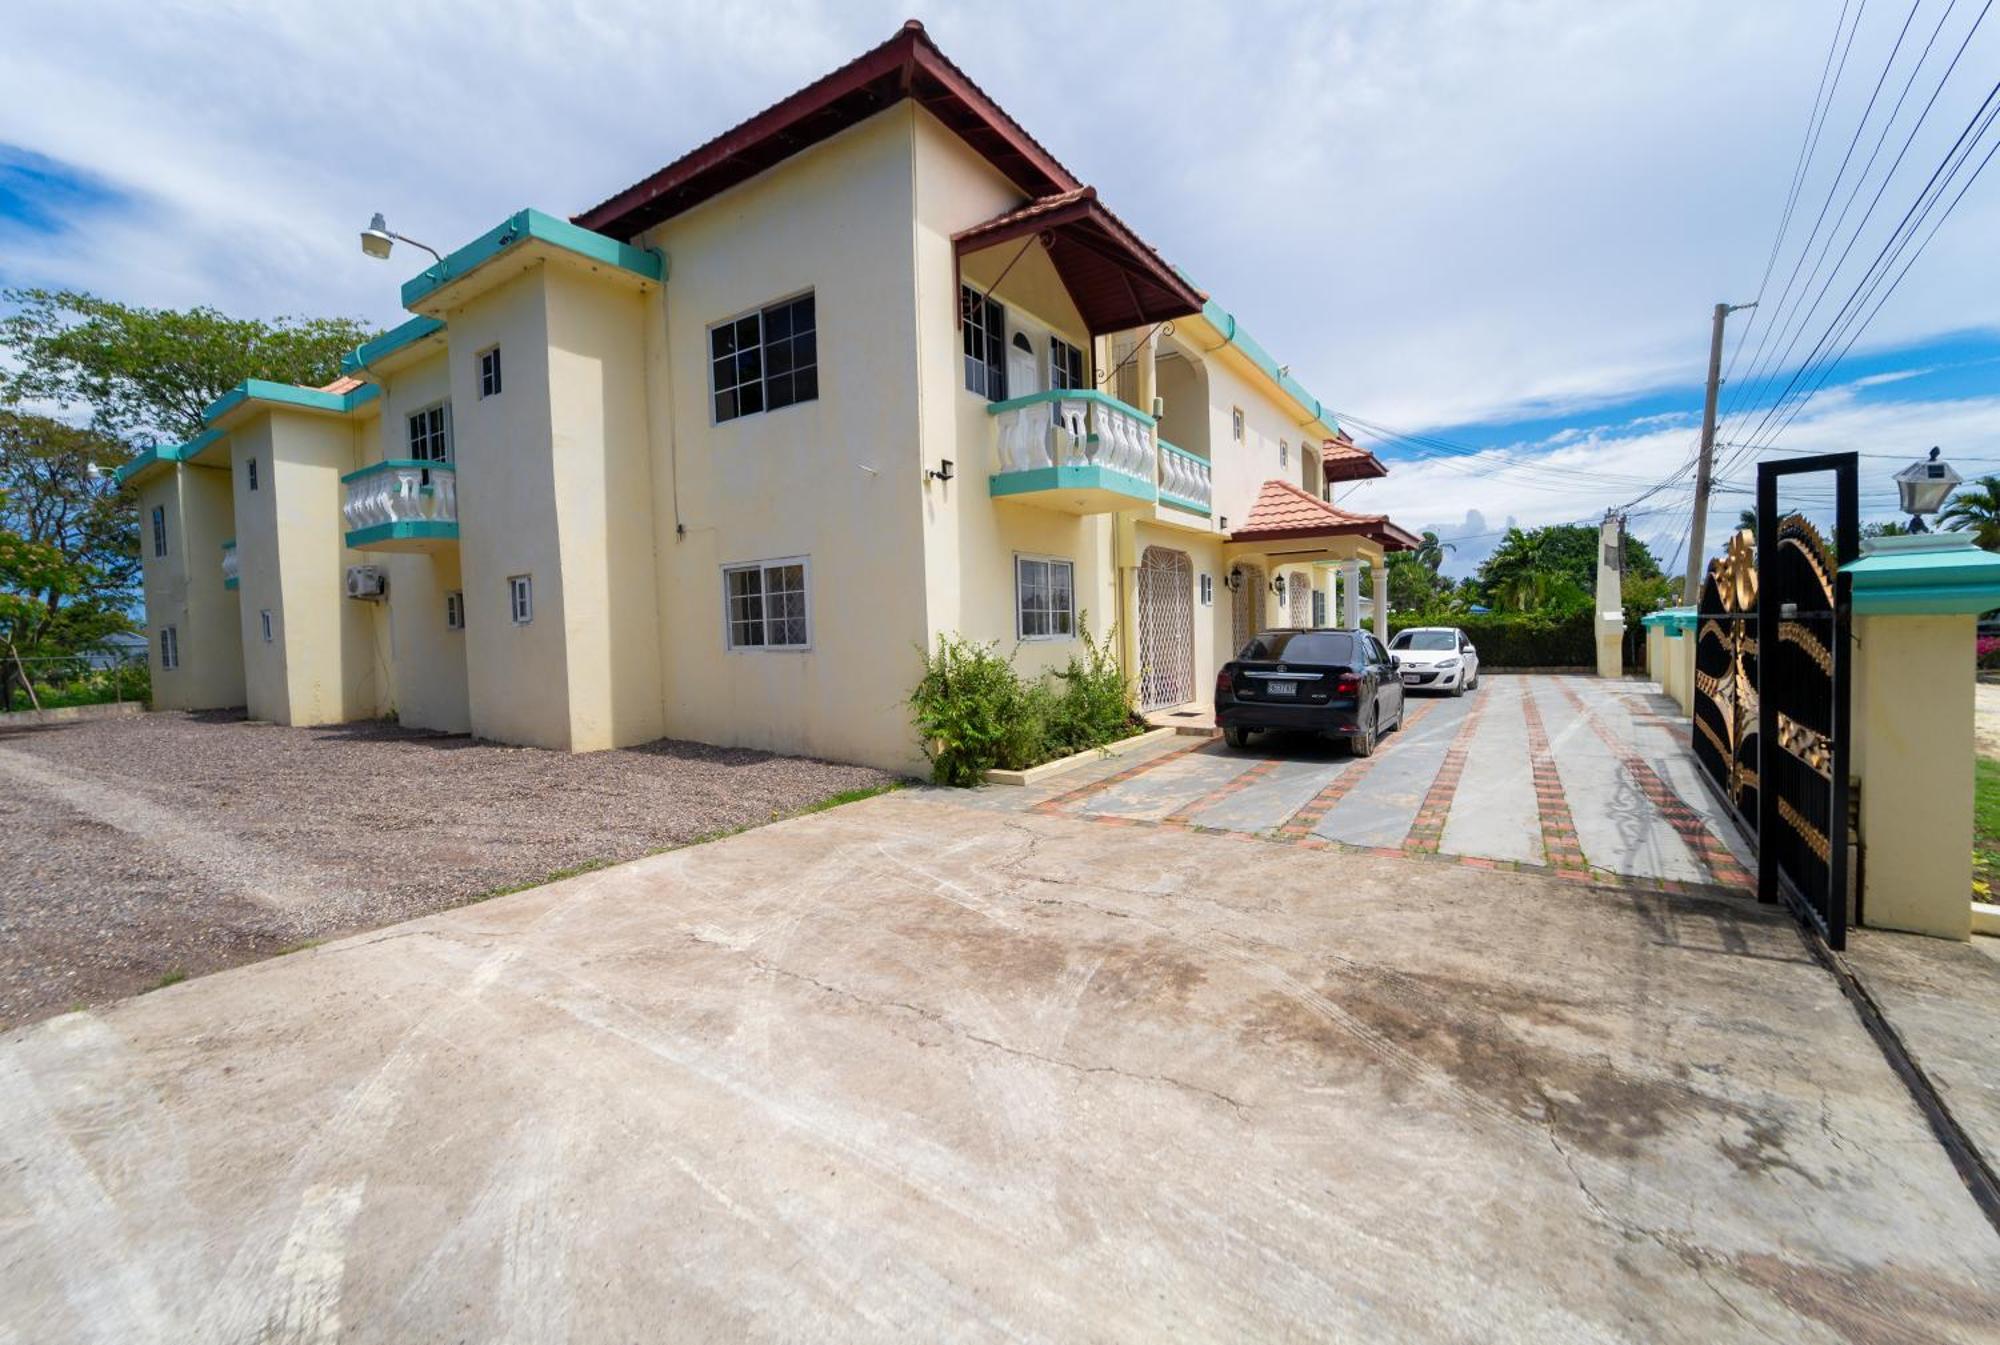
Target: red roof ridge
[[907, 52], [1284, 510]]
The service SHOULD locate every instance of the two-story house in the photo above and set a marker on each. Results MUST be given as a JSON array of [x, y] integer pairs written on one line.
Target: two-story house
[[714, 459]]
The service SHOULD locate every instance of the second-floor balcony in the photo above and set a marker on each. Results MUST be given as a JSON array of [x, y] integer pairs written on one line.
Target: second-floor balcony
[[1075, 450], [230, 573], [1186, 480], [402, 505]]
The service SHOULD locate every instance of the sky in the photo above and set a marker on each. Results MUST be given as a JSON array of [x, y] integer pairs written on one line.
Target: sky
[[1500, 225]]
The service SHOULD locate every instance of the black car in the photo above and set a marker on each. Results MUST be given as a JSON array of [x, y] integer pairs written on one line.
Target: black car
[[1337, 682]]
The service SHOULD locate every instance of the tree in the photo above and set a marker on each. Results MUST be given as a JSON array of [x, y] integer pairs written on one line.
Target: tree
[[145, 374], [1553, 569], [1415, 586], [1976, 509], [69, 555]]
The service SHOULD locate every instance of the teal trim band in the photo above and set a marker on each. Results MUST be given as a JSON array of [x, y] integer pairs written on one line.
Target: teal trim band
[[1068, 395], [1675, 620], [1225, 322], [1167, 497], [423, 529], [229, 545], [164, 453], [287, 394], [1072, 478], [394, 464], [1935, 574], [229, 583], [518, 228], [391, 341]]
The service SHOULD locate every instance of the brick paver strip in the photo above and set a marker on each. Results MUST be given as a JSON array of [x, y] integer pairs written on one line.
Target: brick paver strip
[[1427, 830], [1300, 824], [1070, 798], [1691, 827], [1559, 844]]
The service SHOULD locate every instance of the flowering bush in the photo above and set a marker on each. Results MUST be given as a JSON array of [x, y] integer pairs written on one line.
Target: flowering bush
[[1988, 647]]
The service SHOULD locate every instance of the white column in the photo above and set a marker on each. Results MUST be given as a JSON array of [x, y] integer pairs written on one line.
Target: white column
[[1610, 599], [1350, 583], [1381, 600]]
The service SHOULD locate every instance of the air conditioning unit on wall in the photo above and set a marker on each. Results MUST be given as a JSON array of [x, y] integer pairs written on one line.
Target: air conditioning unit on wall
[[367, 581]]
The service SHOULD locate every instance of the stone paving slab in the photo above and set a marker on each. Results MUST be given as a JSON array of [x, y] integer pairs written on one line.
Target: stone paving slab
[[1500, 821], [1380, 811], [1160, 791]]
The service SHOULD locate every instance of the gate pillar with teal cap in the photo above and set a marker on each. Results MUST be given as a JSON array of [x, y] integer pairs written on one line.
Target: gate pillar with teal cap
[[1916, 601]]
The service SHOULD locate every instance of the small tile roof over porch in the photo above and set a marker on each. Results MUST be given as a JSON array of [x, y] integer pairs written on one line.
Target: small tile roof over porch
[[1114, 277], [1283, 512]]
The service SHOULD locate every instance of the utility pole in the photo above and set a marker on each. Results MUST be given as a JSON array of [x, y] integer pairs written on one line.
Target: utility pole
[[1697, 541]]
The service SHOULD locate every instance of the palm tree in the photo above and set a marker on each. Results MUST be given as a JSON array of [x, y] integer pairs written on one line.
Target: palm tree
[[1431, 551], [1976, 508], [1747, 522]]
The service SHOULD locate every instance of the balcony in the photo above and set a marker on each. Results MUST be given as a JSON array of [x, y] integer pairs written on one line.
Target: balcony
[[1074, 450], [402, 506], [1187, 481], [229, 570]]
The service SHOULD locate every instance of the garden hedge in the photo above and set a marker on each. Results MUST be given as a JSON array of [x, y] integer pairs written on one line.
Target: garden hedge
[[1523, 640]]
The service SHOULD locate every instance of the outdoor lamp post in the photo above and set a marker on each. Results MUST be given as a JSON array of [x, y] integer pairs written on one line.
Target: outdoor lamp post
[[1923, 486], [378, 238]]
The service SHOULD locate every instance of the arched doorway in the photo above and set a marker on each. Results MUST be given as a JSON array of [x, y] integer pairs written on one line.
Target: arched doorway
[[1246, 606], [1166, 628]]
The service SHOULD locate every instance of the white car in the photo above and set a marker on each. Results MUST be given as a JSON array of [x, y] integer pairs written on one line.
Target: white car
[[1436, 658]]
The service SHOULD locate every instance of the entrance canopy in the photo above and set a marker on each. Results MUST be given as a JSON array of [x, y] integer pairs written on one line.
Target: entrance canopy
[[1305, 527], [1116, 281]]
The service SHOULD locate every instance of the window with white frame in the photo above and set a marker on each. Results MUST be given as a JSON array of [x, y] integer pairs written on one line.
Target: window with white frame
[[521, 598], [1284, 454], [430, 433], [159, 530], [250, 472], [1208, 590], [454, 610], [489, 372], [1236, 423], [983, 337], [264, 623], [1065, 364], [766, 604], [765, 360], [170, 648], [1044, 598]]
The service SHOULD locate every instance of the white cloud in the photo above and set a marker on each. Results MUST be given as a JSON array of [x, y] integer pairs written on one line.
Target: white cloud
[[1434, 212]]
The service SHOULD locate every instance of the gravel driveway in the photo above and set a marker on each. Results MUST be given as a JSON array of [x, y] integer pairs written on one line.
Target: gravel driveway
[[142, 849]]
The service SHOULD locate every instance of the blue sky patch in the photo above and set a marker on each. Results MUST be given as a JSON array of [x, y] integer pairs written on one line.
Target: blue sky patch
[[40, 195]]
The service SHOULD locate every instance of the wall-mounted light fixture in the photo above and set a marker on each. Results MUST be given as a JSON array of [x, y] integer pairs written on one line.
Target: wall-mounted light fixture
[[1234, 583], [942, 472], [1278, 587]]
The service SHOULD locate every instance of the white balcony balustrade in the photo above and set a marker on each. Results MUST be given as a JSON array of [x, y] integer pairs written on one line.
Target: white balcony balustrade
[[1187, 480], [230, 569], [392, 505], [1088, 451]]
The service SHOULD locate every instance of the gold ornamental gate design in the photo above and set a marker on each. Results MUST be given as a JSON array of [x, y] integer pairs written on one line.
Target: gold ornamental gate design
[[1166, 628], [1771, 694]]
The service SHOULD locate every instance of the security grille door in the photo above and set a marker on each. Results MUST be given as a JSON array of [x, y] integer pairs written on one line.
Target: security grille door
[[1299, 590], [1166, 628], [1245, 607]]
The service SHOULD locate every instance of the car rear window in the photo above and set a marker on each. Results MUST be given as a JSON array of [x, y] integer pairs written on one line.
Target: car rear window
[[1311, 646], [1425, 639]]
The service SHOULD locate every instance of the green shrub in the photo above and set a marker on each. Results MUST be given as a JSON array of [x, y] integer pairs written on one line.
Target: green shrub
[[1526, 640], [973, 712]]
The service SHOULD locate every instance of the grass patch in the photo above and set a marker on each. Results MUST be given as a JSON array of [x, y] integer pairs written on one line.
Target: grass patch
[[174, 977], [298, 947], [1985, 827], [847, 796]]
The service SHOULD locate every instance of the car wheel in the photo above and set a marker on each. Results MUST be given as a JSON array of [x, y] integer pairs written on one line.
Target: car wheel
[[1458, 687], [1237, 737], [1362, 744]]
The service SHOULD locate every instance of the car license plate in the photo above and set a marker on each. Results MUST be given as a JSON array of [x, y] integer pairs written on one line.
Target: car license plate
[[1289, 689], [1411, 679]]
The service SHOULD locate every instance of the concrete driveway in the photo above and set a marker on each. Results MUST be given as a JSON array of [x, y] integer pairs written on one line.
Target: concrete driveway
[[926, 1067]]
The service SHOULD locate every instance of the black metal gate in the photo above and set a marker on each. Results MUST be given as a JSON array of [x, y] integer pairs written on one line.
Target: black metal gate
[[1771, 704]]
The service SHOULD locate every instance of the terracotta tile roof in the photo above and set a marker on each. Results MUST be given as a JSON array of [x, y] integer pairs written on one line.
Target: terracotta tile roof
[[1345, 460], [1284, 511], [908, 65], [1116, 277], [341, 384]]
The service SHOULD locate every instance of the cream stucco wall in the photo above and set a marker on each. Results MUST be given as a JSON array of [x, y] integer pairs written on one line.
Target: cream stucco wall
[[517, 676], [835, 480], [184, 588]]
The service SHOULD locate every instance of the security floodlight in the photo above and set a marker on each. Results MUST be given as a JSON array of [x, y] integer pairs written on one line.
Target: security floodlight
[[1923, 486], [378, 238]]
